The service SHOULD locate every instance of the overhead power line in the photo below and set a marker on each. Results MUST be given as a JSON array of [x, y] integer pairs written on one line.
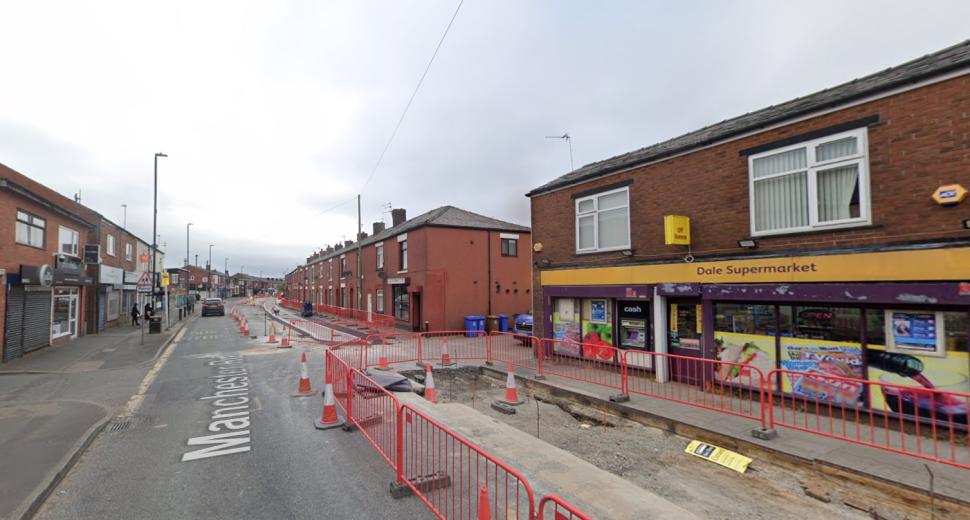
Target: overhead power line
[[387, 145]]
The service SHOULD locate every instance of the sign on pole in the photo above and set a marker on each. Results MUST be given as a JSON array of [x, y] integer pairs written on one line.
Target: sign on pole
[[145, 284], [165, 279]]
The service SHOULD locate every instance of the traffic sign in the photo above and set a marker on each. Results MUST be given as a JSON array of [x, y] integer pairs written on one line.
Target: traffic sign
[[165, 279], [145, 283]]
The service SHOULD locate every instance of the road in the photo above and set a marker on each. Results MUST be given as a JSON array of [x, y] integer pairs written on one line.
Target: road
[[287, 469]]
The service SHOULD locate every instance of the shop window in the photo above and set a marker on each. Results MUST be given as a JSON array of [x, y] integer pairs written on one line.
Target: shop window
[[380, 301], [955, 326], [402, 308], [814, 184], [30, 229], [743, 318], [603, 221], [510, 247], [828, 323]]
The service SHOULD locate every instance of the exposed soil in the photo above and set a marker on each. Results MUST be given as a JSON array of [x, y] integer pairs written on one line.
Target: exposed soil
[[648, 457]]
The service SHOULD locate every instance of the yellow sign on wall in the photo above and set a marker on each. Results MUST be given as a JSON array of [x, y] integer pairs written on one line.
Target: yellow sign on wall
[[949, 195], [916, 265], [676, 230]]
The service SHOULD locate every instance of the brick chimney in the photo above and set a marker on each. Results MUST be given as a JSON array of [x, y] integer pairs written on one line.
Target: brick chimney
[[398, 216], [378, 227], [348, 243]]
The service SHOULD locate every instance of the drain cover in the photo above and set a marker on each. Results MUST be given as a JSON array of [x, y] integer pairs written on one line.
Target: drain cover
[[125, 423]]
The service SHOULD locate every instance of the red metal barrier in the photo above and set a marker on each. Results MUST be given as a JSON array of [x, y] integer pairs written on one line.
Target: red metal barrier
[[374, 411], [560, 509], [586, 362], [520, 350], [712, 384], [922, 422], [338, 372], [455, 342], [446, 472], [402, 347]]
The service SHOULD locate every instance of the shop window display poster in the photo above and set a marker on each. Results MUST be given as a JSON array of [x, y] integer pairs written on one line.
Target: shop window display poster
[[597, 311], [932, 375], [598, 341], [751, 350], [817, 359], [916, 332]]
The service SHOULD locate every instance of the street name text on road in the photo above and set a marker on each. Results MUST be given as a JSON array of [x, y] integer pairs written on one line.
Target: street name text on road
[[231, 414]]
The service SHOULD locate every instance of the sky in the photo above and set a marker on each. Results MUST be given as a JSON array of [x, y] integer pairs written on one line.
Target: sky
[[274, 114]]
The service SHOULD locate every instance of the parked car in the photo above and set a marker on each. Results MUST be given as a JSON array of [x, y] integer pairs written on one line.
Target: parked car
[[522, 327], [213, 307]]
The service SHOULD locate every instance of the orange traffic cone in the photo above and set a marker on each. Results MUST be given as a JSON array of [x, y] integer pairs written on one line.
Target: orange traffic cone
[[285, 342], [484, 510], [383, 364], [272, 333], [304, 389], [445, 357], [511, 394], [430, 393], [328, 418]]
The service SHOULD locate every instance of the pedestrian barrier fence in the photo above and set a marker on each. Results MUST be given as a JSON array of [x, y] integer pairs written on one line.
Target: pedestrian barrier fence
[[351, 317], [559, 509], [446, 471], [374, 411], [924, 422], [316, 331]]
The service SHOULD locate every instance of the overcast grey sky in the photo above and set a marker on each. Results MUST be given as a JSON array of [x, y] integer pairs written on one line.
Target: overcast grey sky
[[273, 112]]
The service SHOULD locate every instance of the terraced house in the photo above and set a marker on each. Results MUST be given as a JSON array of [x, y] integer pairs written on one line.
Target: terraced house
[[826, 234]]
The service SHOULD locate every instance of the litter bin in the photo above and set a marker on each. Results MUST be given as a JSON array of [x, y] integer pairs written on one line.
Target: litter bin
[[503, 322], [480, 325], [491, 323], [155, 325], [471, 324]]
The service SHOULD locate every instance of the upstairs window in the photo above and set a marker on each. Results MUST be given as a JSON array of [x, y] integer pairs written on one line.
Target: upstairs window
[[510, 247], [818, 184], [111, 245], [68, 240], [129, 252], [403, 250], [603, 221], [30, 229], [380, 256]]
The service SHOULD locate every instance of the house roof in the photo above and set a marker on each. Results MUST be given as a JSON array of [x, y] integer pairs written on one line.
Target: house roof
[[445, 216], [920, 69]]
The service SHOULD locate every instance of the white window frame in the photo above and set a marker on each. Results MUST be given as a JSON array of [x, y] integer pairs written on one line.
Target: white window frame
[[111, 245], [595, 214], [60, 241], [129, 252], [379, 294], [812, 168], [379, 248]]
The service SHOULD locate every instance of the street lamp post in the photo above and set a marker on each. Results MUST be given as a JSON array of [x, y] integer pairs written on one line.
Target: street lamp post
[[124, 221], [187, 243], [155, 228], [208, 286], [225, 280]]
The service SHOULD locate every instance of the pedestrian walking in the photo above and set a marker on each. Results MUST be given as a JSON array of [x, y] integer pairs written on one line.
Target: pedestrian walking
[[135, 315]]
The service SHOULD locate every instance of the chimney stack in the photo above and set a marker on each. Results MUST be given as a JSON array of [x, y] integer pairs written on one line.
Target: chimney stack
[[398, 216], [348, 243], [378, 227]]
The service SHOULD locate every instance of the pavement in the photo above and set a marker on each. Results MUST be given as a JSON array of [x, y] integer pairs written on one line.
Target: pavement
[[154, 463], [56, 400]]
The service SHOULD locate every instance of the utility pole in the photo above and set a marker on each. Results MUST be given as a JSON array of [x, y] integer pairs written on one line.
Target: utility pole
[[360, 272], [187, 257], [124, 222], [155, 279], [208, 286]]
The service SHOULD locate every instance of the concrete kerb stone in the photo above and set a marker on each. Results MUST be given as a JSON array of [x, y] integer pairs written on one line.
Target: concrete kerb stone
[[56, 475]]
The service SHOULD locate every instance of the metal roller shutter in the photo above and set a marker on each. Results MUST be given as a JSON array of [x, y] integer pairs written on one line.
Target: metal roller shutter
[[37, 320], [14, 324]]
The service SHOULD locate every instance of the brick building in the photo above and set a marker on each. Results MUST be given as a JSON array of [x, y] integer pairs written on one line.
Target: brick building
[[814, 242], [41, 241], [427, 272]]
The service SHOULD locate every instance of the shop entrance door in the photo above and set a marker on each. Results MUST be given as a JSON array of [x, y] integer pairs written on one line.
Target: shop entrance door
[[684, 339], [416, 312]]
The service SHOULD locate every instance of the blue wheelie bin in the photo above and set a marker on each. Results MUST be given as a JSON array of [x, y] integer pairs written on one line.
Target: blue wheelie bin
[[503, 322], [471, 324]]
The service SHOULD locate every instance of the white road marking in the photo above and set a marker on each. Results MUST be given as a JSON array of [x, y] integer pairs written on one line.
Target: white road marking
[[135, 402]]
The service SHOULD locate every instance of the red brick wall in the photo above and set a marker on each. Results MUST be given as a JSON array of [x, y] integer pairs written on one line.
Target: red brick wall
[[922, 141]]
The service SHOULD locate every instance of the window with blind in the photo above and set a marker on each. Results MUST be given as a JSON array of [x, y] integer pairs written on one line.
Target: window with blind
[[816, 184], [603, 221]]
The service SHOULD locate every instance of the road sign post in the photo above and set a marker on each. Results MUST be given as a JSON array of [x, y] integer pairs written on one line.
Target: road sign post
[[144, 286]]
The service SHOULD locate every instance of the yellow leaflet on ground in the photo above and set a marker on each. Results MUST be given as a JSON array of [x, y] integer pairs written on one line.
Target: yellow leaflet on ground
[[721, 456]]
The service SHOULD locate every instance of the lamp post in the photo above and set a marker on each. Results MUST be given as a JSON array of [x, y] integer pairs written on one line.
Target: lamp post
[[208, 286], [225, 280], [124, 221], [187, 243], [155, 227]]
